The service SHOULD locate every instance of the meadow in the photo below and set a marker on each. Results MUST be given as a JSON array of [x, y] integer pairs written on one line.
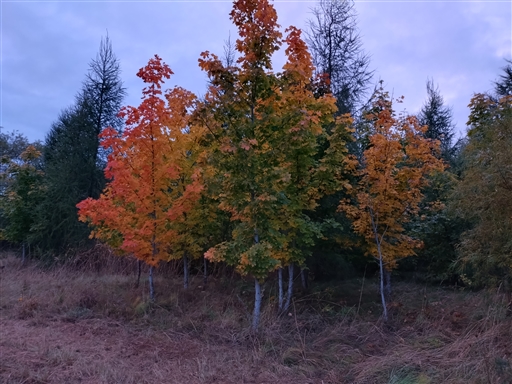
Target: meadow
[[87, 322]]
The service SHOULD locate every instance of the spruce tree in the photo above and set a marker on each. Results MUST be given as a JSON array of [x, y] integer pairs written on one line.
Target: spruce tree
[[438, 117]]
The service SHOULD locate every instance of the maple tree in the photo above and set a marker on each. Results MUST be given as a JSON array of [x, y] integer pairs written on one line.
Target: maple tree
[[238, 112], [153, 183], [313, 173], [392, 175], [262, 131]]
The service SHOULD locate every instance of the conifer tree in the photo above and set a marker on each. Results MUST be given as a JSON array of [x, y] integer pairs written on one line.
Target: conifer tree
[[72, 160], [438, 119]]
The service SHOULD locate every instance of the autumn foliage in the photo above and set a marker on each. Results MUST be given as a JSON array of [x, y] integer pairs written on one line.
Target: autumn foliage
[[151, 180], [393, 172], [238, 175]]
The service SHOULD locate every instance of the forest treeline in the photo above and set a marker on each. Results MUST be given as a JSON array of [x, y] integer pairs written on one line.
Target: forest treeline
[[307, 170]]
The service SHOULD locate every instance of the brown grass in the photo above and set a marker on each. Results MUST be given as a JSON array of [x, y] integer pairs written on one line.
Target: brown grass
[[87, 323]]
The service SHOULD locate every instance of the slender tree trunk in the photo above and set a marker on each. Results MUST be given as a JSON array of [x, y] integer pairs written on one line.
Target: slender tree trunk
[[304, 279], [290, 287], [205, 272], [382, 293], [139, 270], [153, 244], [185, 271], [151, 285], [387, 286], [23, 253], [257, 305], [508, 295], [257, 294], [381, 268], [280, 287]]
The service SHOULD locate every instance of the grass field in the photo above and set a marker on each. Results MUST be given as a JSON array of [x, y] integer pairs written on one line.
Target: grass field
[[91, 325]]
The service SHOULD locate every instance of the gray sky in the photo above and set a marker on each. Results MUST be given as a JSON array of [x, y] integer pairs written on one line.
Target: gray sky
[[47, 47]]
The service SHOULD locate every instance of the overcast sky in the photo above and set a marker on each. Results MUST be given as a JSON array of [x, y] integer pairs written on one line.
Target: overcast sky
[[47, 47]]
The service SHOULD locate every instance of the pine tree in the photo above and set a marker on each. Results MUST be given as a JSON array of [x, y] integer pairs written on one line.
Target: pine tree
[[73, 163]]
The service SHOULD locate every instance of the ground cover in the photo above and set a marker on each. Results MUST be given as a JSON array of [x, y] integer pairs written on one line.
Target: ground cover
[[90, 324]]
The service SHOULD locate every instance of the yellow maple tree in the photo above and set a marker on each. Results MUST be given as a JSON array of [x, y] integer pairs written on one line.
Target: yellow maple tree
[[393, 172]]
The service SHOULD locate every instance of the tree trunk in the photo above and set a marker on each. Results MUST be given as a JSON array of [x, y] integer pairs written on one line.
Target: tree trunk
[[185, 271], [139, 270], [257, 305], [304, 279], [508, 295], [381, 268], [387, 286], [382, 293], [151, 285], [257, 294], [290, 288], [280, 287], [205, 272], [23, 254]]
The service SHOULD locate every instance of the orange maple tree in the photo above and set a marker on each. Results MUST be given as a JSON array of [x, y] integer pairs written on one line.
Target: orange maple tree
[[393, 173], [153, 182]]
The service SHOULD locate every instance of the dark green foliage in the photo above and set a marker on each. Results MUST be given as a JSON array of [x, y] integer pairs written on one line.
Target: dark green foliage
[[439, 231], [342, 68], [20, 196], [483, 196], [503, 86], [73, 163], [72, 174], [12, 144], [438, 117], [436, 228]]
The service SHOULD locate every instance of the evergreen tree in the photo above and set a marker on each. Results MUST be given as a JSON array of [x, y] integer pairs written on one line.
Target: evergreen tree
[[337, 51], [503, 87], [437, 230], [342, 68], [73, 163], [20, 194], [438, 118]]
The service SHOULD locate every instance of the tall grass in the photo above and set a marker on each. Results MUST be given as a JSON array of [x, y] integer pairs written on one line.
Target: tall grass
[[87, 322]]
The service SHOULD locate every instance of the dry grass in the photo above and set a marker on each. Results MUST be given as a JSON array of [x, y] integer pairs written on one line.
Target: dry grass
[[87, 323]]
